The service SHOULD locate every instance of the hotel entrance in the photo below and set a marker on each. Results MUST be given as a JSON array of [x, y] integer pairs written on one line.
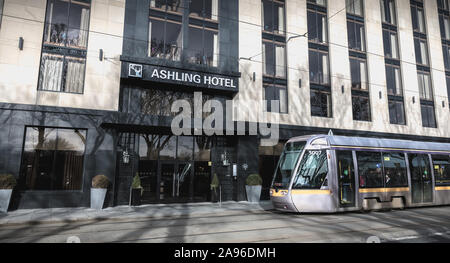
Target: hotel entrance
[[172, 169]]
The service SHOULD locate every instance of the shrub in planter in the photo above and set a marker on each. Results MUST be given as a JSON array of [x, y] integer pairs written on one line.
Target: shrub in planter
[[99, 188], [253, 188], [136, 191]]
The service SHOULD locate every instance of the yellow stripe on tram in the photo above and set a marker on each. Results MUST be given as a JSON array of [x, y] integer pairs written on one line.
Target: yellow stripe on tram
[[383, 190], [442, 188], [311, 192]]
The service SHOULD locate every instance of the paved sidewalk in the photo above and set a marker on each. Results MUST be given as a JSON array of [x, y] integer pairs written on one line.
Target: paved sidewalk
[[157, 211]]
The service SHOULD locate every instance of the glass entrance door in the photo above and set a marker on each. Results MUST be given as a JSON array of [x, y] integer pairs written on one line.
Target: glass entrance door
[[175, 182], [421, 180]]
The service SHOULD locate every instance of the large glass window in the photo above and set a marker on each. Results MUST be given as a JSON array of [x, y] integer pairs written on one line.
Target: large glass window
[[428, 116], [370, 170], [397, 112], [313, 171], [395, 170], [388, 13], [321, 103], [273, 16], [356, 36], [418, 19], [421, 50], [274, 59], [425, 90], [390, 42], [203, 40], [361, 108], [355, 7], [317, 27], [346, 177], [358, 71], [318, 67], [441, 166], [53, 159], [278, 94], [63, 59], [393, 80], [165, 38]]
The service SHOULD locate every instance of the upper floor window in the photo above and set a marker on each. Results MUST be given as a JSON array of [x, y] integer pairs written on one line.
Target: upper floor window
[[418, 19], [318, 2], [206, 9], [64, 49], [167, 5], [273, 16], [388, 12], [318, 67], [274, 58], [356, 36], [443, 4], [165, 30], [390, 42], [421, 50], [355, 7], [317, 27]]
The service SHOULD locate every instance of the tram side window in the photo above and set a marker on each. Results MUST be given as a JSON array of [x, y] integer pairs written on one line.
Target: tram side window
[[370, 169], [313, 171], [395, 169], [441, 166]]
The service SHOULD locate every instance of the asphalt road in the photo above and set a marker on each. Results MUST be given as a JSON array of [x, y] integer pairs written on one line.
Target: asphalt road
[[404, 226]]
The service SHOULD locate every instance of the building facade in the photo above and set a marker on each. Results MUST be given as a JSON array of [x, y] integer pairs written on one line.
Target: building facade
[[91, 87]]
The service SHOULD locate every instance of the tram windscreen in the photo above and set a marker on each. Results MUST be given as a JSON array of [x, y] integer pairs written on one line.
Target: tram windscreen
[[312, 172], [287, 163]]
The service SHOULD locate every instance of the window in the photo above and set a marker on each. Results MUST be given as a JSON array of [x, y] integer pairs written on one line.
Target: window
[[388, 14], [64, 49], [317, 26], [287, 164], [53, 159], [318, 2], [346, 173], [273, 17], [441, 166], [444, 24], [354, 7], [443, 4], [361, 108], [397, 112], [418, 19], [277, 94], [425, 86], [370, 170], [358, 74], [165, 30], [203, 44], [312, 172], [446, 51], [321, 103], [274, 58], [421, 49], [395, 170], [393, 80], [428, 116], [356, 37], [390, 44], [318, 67]]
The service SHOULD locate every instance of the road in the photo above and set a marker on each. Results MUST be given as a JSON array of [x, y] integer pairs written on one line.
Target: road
[[412, 225]]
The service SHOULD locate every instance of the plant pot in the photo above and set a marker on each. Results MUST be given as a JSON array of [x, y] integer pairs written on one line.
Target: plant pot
[[5, 197], [98, 198], [136, 197], [253, 193]]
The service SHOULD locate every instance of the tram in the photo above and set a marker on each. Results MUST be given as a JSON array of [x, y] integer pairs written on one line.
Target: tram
[[330, 174]]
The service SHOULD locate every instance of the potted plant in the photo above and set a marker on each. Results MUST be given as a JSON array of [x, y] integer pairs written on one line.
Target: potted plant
[[214, 185], [7, 184], [136, 191], [100, 185], [253, 188]]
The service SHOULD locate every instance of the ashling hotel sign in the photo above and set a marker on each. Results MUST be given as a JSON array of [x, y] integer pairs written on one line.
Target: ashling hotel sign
[[183, 77]]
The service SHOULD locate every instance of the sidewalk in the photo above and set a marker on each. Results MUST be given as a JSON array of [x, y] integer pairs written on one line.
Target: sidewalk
[[157, 211]]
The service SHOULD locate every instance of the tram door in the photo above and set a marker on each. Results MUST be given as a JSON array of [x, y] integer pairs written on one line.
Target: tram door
[[346, 178], [421, 180]]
